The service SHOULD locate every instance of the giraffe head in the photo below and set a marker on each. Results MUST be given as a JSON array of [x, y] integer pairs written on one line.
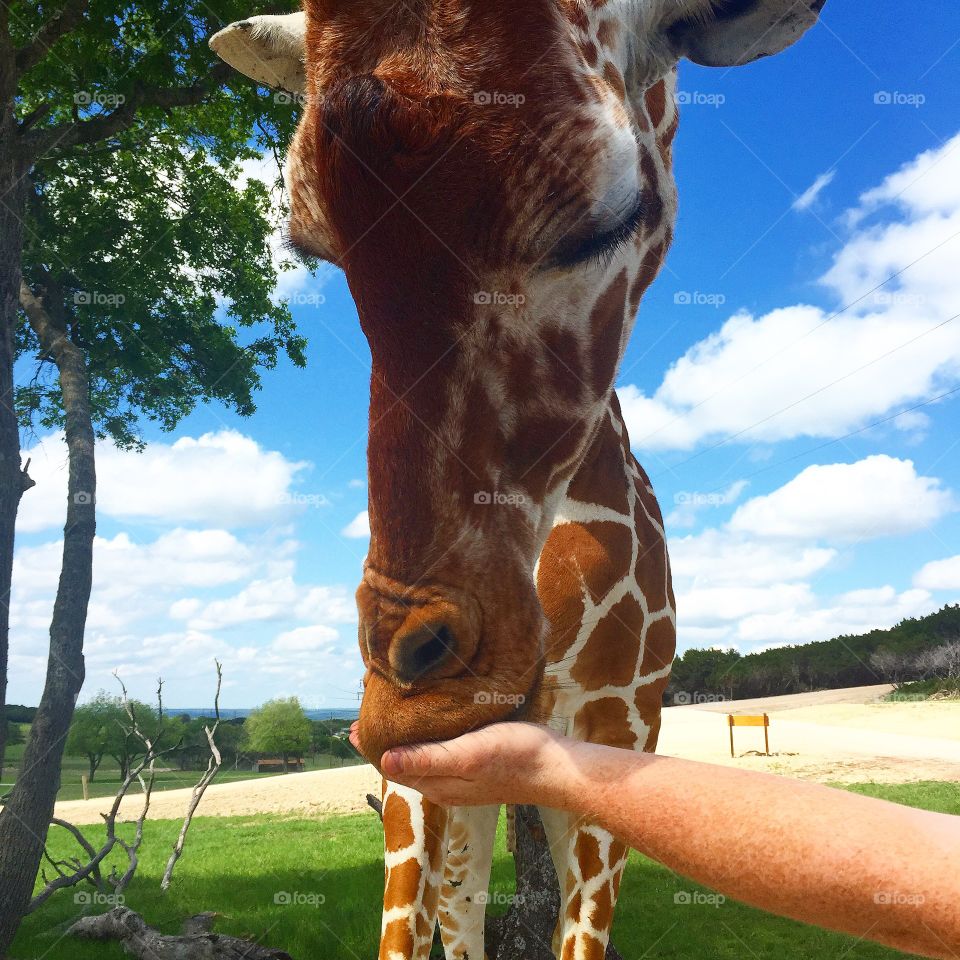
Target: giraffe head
[[494, 179]]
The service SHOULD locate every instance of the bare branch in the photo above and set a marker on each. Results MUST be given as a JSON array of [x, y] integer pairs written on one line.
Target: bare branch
[[59, 25], [213, 767], [375, 804], [197, 942]]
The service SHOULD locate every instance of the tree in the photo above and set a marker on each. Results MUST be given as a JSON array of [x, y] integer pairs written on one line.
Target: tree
[[90, 731], [14, 733], [102, 728], [281, 727], [138, 275]]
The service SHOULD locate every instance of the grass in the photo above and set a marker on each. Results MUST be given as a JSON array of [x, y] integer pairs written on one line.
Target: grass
[[924, 689], [333, 870], [107, 778]]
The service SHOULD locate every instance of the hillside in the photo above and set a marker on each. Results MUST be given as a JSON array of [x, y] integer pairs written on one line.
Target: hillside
[[915, 649]]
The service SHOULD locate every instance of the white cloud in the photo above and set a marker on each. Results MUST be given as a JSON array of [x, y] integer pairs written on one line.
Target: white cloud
[[939, 575], [875, 497], [269, 600], [306, 639], [751, 583], [721, 558], [809, 196], [804, 371], [359, 527], [219, 479]]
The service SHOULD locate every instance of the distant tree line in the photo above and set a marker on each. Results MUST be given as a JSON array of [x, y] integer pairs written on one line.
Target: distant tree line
[[280, 728], [922, 649]]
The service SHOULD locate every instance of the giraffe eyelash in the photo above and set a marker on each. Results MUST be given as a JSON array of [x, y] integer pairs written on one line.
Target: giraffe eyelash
[[601, 248]]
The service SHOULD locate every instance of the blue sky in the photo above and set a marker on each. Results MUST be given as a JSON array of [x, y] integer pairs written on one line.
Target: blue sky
[[805, 181]]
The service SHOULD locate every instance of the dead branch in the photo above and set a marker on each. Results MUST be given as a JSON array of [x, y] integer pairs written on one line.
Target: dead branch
[[213, 767], [376, 804], [73, 872], [195, 942]]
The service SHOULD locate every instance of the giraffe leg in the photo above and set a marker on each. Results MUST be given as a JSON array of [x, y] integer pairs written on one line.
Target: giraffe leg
[[466, 880], [415, 837], [589, 862]]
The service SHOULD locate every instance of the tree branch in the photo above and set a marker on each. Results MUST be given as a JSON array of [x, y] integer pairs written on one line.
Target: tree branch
[[213, 767], [64, 135], [59, 25], [196, 942]]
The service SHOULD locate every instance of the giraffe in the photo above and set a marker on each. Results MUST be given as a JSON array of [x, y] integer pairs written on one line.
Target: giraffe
[[495, 180]]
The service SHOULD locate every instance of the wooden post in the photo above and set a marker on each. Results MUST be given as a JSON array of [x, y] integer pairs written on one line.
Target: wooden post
[[85, 784], [750, 721]]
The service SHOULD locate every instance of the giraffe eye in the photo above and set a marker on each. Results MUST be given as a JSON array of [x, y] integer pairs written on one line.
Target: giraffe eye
[[601, 246]]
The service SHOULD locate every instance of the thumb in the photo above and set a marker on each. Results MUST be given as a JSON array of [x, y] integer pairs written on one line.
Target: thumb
[[418, 760]]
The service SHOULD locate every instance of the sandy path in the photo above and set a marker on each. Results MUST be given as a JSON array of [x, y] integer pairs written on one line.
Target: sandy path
[[848, 736], [305, 794]]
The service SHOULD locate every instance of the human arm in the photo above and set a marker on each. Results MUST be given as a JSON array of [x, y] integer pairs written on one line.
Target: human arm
[[824, 856]]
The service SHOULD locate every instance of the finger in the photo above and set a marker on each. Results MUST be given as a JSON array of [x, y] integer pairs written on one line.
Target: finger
[[418, 760]]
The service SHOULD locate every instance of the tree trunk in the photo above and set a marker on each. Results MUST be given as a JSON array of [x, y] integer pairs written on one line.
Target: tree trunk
[[526, 931], [25, 819], [13, 479]]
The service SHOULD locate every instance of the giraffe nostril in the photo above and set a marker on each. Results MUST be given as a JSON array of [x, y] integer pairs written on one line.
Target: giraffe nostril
[[415, 654]]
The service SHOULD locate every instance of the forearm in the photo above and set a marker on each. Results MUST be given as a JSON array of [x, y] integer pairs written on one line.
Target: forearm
[[824, 856]]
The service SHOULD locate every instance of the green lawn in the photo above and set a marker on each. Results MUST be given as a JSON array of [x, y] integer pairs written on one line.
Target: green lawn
[[332, 870]]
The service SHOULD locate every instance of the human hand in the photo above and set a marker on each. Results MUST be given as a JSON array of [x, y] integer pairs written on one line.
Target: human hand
[[502, 763]]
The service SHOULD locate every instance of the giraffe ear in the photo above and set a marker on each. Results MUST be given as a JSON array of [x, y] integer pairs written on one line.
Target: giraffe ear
[[270, 50], [729, 33]]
